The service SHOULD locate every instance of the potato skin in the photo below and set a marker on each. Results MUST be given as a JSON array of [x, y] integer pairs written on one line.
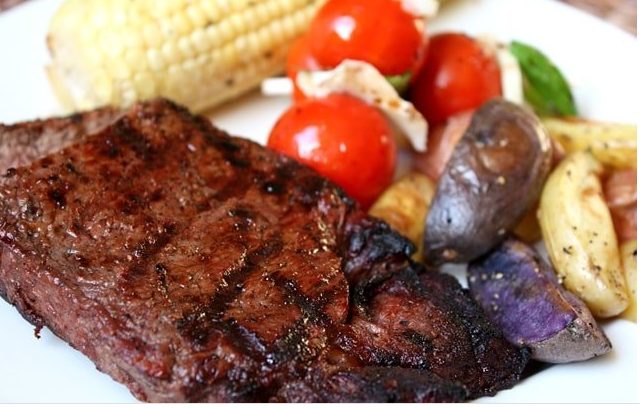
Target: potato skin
[[520, 294], [629, 253], [404, 205], [579, 236], [492, 179], [614, 145]]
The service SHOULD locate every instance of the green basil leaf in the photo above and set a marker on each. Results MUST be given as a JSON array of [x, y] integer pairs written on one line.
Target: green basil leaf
[[545, 88], [400, 82]]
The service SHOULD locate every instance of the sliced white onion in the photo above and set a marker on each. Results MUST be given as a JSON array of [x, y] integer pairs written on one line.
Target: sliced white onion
[[512, 87], [421, 8], [365, 82], [277, 86], [511, 76]]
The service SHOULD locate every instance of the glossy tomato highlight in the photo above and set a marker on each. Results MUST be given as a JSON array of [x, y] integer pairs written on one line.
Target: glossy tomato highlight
[[344, 139], [458, 75], [379, 32]]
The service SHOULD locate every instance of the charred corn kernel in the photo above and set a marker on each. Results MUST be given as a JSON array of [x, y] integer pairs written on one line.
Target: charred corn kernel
[[198, 53]]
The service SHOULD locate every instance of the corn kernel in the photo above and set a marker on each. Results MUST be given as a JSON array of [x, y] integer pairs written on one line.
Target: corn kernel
[[152, 35], [196, 15], [156, 60], [144, 84], [197, 52]]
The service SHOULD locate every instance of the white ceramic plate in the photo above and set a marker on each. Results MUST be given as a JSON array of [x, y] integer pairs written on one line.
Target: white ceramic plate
[[600, 61]]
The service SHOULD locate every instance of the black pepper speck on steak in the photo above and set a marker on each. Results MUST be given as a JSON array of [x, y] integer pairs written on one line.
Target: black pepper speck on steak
[[194, 266]]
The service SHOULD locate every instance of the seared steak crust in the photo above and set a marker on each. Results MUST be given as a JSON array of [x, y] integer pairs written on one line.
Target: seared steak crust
[[195, 266], [25, 142]]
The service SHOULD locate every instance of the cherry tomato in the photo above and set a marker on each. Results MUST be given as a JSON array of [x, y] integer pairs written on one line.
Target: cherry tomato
[[442, 141], [299, 59], [379, 32], [457, 75], [344, 139], [621, 193]]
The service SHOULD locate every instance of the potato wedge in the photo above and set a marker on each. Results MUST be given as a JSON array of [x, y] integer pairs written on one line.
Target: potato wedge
[[579, 236], [629, 253], [493, 178], [404, 205], [614, 145], [520, 293]]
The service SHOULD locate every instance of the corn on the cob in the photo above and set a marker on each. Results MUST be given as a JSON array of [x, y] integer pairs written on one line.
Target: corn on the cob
[[197, 52]]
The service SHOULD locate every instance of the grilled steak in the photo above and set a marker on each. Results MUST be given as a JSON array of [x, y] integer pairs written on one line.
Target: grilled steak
[[25, 142], [194, 266]]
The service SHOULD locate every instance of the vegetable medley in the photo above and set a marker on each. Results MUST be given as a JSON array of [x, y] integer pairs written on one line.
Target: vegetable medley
[[508, 160]]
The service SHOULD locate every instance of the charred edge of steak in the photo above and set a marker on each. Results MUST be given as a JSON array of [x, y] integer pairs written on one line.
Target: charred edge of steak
[[372, 252], [498, 364], [501, 363], [374, 384], [427, 321]]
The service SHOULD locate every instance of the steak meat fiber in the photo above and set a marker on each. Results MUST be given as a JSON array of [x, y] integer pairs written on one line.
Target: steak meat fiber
[[194, 266]]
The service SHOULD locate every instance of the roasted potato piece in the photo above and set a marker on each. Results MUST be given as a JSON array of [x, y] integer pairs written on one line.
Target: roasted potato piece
[[629, 253], [614, 145], [520, 293], [492, 179], [404, 205], [528, 229], [579, 236]]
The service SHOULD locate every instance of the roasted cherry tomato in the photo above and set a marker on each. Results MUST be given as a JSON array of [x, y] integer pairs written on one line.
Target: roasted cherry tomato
[[458, 75], [344, 139], [621, 193], [379, 32], [299, 59]]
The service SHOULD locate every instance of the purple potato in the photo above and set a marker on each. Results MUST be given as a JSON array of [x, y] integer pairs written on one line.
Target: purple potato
[[520, 293], [493, 178]]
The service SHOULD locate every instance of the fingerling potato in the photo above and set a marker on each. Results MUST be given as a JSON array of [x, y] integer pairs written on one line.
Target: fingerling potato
[[579, 236], [614, 145], [629, 253], [493, 178], [520, 293]]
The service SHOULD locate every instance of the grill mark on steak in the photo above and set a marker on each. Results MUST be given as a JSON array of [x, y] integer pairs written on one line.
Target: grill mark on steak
[[421, 341], [293, 344], [231, 152], [198, 324], [145, 250], [244, 339], [194, 266], [136, 139], [311, 309]]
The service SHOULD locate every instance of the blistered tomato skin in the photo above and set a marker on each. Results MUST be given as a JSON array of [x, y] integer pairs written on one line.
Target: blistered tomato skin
[[353, 29], [458, 75], [344, 139]]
